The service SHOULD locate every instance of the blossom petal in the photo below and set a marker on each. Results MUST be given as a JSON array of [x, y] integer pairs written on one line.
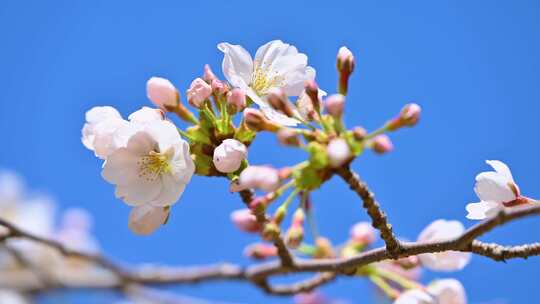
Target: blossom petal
[[501, 168], [278, 117], [481, 210], [494, 187], [171, 190], [267, 54], [448, 291], [237, 64], [145, 219]]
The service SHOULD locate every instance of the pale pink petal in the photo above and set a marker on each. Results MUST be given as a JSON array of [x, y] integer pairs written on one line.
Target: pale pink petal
[[237, 64], [494, 187], [145, 219]]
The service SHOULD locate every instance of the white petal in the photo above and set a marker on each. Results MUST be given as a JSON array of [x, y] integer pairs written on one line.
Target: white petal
[[104, 134], [99, 114], [441, 230], [414, 296], [278, 117], [448, 291], [256, 98], [145, 219], [121, 167], [501, 168], [268, 53], [171, 191], [237, 64], [12, 297], [494, 187], [146, 115], [164, 133], [481, 210], [138, 192]]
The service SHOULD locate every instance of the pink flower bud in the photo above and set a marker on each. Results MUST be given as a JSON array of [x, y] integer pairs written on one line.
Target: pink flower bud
[[345, 60], [146, 219], [288, 137], [294, 236], [260, 251], [262, 177], [228, 156], [219, 87], [382, 144], [162, 92], [280, 102], [312, 91], [298, 217], [208, 76], [256, 121], [245, 220], [359, 133], [198, 92], [410, 114], [334, 105], [338, 152], [236, 99], [363, 233]]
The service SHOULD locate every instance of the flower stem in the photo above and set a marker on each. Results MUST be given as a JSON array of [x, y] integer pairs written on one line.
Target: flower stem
[[404, 282], [384, 286], [309, 214], [379, 131]]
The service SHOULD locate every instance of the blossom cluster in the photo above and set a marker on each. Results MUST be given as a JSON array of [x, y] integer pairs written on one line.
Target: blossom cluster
[[151, 161]]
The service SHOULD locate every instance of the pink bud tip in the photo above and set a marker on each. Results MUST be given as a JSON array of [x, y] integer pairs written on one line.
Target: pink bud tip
[[335, 104], [410, 114], [363, 233], [219, 87], [198, 92], [245, 220], [260, 251], [161, 92], [208, 76], [237, 99], [382, 144]]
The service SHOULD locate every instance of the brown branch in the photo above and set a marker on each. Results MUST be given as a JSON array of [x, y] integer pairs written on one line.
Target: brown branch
[[378, 217], [258, 275], [287, 259]]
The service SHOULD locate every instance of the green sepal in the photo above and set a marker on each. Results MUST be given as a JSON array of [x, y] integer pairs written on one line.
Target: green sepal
[[356, 146], [318, 158], [196, 134], [307, 178]]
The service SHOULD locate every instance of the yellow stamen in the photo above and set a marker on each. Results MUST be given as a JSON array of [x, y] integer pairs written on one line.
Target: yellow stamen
[[262, 80], [153, 165]]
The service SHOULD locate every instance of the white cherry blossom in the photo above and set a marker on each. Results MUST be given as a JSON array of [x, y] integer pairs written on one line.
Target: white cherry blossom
[[276, 65], [154, 166], [98, 131], [496, 190], [441, 230]]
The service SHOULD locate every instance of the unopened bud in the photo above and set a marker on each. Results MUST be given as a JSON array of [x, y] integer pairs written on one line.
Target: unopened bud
[[208, 75], [410, 114], [345, 67], [359, 133], [408, 117], [323, 248], [219, 87], [285, 173], [312, 91], [270, 231], [236, 99], [338, 152], [345, 60], [280, 214], [256, 121], [258, 205], [245, 220], [334, 105], [362, 233], [261, 177], [409, 262], [288, 137], [228, 156], [298, 217], [382, 144], [294, 236], [280, 102], [260, 251], [162, 92], [198, 92]]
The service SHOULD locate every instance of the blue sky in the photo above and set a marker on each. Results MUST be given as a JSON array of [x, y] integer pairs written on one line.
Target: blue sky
[[473, 66]]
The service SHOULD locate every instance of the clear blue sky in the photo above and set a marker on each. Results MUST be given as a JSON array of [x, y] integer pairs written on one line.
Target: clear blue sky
[[474, 66]]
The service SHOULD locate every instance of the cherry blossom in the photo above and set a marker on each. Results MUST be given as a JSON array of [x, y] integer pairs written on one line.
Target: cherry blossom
[[98, 131], [414, 296], [154, 167], [245, 220], [441, 230], [447, 291], [145, 219], [161, 92], [363, 233], [276, 65], [496, 190]]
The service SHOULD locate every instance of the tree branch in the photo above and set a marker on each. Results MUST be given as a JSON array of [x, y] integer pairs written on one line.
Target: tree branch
[[378, 217]]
